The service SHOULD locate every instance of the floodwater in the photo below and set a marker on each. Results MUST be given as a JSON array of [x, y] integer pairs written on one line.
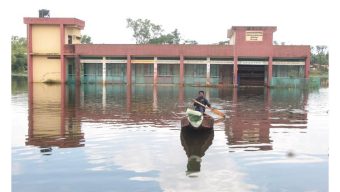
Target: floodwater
[[120, 138]]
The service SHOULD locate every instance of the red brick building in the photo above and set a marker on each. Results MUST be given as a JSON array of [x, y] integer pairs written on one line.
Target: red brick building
[[250, 58]]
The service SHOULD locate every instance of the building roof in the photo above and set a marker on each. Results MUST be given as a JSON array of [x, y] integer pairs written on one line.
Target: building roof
[[55, 21], [234, 28], [254, 27]]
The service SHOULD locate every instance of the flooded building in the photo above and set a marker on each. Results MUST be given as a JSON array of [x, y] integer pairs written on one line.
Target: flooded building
[[55, 54]]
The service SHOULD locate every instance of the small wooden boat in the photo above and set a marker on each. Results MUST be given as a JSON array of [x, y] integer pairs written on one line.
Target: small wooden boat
[[197, 120]]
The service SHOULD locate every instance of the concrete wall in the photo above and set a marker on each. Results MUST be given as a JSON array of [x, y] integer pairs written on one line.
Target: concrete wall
[[45, 69], [291, 51], [74, 32], [263, 48], [267, 38], [154, 50], [46, 39]]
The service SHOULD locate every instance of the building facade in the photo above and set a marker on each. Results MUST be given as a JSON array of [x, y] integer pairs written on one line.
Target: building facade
[[56, 55]]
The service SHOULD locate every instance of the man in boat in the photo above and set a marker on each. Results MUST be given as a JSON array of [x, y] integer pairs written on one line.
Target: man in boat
[[202, 100]]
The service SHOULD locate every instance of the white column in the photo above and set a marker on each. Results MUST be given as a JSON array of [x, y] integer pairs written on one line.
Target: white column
[[104, 70], [208, 71], [155, 73], [104, 81], [104, 97]]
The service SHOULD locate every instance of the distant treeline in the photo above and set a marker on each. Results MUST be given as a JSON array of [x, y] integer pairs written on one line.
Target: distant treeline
[[319, 55], [19, 54], [319, 60]]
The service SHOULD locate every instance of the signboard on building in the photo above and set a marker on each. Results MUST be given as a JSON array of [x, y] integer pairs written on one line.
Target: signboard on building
[[254, 35]]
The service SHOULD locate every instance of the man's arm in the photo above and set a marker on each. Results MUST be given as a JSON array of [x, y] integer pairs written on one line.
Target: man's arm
[[207, 103]]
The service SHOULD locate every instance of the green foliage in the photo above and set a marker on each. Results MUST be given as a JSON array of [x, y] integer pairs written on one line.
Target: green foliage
[[321, 56], [171, 38], [19, 54], [223, 43], [176, 37], [279, 43], [192, 42], [85, 39], [319, 59], [146, 32]]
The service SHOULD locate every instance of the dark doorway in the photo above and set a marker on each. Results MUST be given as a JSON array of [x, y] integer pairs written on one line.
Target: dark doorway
[[252, 75]]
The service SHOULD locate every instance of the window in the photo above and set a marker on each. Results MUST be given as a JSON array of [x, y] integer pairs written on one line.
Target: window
[[69, 40]]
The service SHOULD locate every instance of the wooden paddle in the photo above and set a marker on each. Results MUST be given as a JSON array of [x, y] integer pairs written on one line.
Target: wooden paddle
[[217, 112], [220, 120]]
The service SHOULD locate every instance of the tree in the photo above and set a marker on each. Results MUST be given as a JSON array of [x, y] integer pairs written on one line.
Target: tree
[[313, 55], [320, 49], [278, 43], [320, 56], [19, 54], [163, 39], [223, 43], [176, 37], [191, 42], [144, 30], [85, 39], [170, 38]]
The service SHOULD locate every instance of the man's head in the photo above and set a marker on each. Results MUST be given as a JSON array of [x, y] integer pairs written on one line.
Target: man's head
[[201, 93]]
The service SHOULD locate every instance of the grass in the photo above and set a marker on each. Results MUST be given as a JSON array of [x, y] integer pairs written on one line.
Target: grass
[[318, 73]]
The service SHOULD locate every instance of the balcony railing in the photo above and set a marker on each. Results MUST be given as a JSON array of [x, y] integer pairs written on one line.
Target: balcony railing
[[69, 49]]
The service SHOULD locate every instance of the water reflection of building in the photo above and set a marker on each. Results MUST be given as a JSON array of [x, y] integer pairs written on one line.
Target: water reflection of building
[[195, 144], [131, 104], [53, 119], [56, 111], [126, 104], [256, 111]]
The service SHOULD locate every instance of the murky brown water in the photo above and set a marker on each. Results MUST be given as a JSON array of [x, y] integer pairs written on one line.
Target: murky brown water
[[119, 138]]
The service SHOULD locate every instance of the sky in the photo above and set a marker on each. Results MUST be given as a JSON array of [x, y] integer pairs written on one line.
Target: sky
[[312, 22], [207, 22]]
